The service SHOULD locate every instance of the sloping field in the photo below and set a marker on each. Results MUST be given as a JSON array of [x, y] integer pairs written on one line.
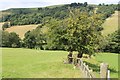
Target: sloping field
[[21, 30], [111, 24]]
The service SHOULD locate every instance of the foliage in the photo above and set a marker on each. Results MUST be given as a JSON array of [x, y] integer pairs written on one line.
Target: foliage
[[38, 15], [79, 32], [10, 39], [5, 25], [34, 38], [53, 36], [106, 10], [113, 43]]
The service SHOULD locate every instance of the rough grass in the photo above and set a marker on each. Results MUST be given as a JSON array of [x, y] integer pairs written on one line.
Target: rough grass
[[110, 58], [21, 30], [27, 63], [111, 24]]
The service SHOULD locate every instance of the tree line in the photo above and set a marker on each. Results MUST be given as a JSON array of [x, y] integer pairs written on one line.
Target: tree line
[[22, 16]]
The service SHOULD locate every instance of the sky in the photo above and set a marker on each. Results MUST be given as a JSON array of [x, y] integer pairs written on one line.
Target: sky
[[6, 4]]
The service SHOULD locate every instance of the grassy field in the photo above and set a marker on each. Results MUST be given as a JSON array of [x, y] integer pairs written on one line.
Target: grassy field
[[110, 58], [111, 24], [21, 30], [29, 63]]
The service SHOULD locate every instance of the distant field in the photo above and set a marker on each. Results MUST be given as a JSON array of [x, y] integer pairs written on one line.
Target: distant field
[[21, 30], [111, 24]]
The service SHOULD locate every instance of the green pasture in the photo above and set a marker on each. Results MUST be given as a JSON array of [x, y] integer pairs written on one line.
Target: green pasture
[[30, 63], [110, 58]]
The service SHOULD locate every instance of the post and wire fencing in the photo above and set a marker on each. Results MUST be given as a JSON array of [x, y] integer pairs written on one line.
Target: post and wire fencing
[[87, 72]]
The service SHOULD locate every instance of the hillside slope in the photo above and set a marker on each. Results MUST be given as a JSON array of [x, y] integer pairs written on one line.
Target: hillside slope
[[21, 30], [111, 24]]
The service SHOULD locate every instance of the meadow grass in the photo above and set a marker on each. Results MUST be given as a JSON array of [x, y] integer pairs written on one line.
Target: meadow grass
[[28, 63]]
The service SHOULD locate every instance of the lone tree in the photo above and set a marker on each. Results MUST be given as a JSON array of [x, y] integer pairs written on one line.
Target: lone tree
[[80, 32]]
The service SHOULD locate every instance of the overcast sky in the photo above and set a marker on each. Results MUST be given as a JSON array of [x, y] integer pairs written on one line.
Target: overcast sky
[[6, 4]]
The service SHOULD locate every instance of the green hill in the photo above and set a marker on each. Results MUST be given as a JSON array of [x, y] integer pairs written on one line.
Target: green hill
[[26, 16]]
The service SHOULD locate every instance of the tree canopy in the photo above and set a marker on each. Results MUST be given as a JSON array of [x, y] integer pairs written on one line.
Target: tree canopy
[[10, 39]]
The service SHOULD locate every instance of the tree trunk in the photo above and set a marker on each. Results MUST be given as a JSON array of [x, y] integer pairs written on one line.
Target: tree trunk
[[70, 60], [79, 55]]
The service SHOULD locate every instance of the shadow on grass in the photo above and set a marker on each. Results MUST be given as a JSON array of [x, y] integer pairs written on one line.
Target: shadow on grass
[[96, 68], [110, 68]]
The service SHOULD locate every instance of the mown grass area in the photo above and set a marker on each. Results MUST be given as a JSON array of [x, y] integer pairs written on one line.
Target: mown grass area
[[111, 24], [110, 58], [28, 63]]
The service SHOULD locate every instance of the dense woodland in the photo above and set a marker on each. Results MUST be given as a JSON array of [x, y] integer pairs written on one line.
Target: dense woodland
[[24, 16], [71, 27]]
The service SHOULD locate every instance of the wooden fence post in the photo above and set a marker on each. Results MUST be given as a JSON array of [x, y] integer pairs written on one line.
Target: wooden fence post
[[108, 75], [90, 72], [103, 70], [83, 66], [87, 69]]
